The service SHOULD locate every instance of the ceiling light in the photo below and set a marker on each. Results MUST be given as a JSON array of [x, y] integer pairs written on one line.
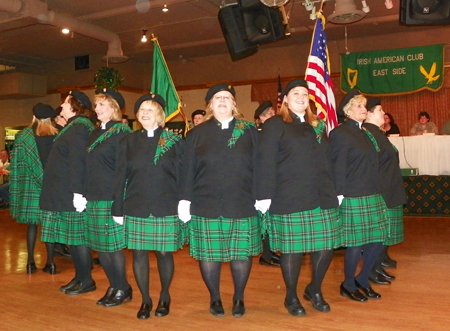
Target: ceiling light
[[165, 9], [345, 12], [365, 8], [65, 31], [144, 36], [274, 3]]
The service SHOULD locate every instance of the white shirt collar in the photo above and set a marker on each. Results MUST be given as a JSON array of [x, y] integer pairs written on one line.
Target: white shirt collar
[[226, 123]]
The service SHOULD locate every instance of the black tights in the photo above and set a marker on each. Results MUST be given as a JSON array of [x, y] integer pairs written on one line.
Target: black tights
[[291, 265], [141, 269], [31, 243], [82, 260], [240, 271], [370, 253], [114, 265]]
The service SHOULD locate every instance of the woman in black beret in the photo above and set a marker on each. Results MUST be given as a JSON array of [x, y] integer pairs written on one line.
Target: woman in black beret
[[31, 149], [392, 190], [64, 189], [294, 183], [354, 158], [218, 190], [103, 234], [149, 175]]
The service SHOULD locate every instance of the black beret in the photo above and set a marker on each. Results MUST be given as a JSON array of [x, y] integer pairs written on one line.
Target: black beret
[[82, 98], [350, 95], [198, 112], [42, 111], [113, 94], [149, 97], [291, 85], [373, 103], [217, 88], [262, 108]]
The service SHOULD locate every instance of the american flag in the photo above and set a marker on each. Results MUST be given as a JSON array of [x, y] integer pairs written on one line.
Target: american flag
[[318, 76], [280, 90]]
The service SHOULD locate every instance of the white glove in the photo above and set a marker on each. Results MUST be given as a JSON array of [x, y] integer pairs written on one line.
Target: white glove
[[79, 202], [340, 198], [184, 210], [263, 205], [118, 219]]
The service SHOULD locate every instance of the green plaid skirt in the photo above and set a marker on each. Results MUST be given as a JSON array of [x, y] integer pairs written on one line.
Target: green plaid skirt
[[224, 239], [162, 234], [67, 228], [103, 234], [395, 217], [364, 220], [306, 231]]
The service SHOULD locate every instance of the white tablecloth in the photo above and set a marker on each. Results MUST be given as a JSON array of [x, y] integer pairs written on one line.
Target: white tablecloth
[[430, 154]]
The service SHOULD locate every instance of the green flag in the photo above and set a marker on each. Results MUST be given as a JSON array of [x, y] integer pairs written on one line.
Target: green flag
[[162, 83]]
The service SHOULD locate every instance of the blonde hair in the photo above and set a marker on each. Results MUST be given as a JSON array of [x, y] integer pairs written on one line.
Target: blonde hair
[[117, 114], [44, 127], [235, 112], [160, 116], [356, 99], [310, 117]]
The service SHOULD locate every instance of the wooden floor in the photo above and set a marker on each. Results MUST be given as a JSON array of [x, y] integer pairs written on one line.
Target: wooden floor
[[417, 300]]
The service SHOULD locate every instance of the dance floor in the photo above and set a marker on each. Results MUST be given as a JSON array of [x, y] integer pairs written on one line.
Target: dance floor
[[417, 300]]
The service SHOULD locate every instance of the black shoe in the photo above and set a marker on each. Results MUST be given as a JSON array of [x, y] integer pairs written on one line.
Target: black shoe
[[378, 279], [81, 288], [62, 250], [238, 308], [295, 308], [355, 296], [317, 301], [69, 285], [389, 264], [216, 308], [368, 291], [163, 309], [384, 274], [108, 295], [31, 268], [50, 268], [273, 262], [118, 297], [144, 311]]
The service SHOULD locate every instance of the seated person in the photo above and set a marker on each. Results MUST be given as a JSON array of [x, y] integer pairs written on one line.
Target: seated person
[[424, 125], [4, 166], [389, 127]]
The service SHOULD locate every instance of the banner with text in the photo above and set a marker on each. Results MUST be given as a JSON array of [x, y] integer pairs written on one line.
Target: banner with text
[[394, 71]]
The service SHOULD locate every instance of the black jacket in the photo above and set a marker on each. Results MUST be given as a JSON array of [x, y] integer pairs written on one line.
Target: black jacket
[[150, 189], [217, 179], [390, 176], [292, 168], [354, 161]]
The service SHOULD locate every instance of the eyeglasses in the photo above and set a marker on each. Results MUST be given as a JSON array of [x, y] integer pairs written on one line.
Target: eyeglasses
[[222, 97]]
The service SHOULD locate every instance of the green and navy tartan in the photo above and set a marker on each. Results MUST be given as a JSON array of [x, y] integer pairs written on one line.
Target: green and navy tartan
[[26, 179], [224, 239], [68, 227], [364, 220], [162, 234], [103, 234], [306, 231], [395, 217]]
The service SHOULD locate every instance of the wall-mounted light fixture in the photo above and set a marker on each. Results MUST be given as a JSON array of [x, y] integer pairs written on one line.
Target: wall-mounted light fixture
[[144, 36], [165, 9], [65, 31]]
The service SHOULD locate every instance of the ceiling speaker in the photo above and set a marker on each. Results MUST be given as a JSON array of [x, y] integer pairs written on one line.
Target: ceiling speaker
[[424, 12], [233, 29]]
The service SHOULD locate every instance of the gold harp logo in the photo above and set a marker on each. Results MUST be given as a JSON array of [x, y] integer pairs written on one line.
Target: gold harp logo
[[352, 77]]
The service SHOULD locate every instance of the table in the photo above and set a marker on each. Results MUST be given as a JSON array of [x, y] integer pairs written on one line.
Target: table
[[430, 154]]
